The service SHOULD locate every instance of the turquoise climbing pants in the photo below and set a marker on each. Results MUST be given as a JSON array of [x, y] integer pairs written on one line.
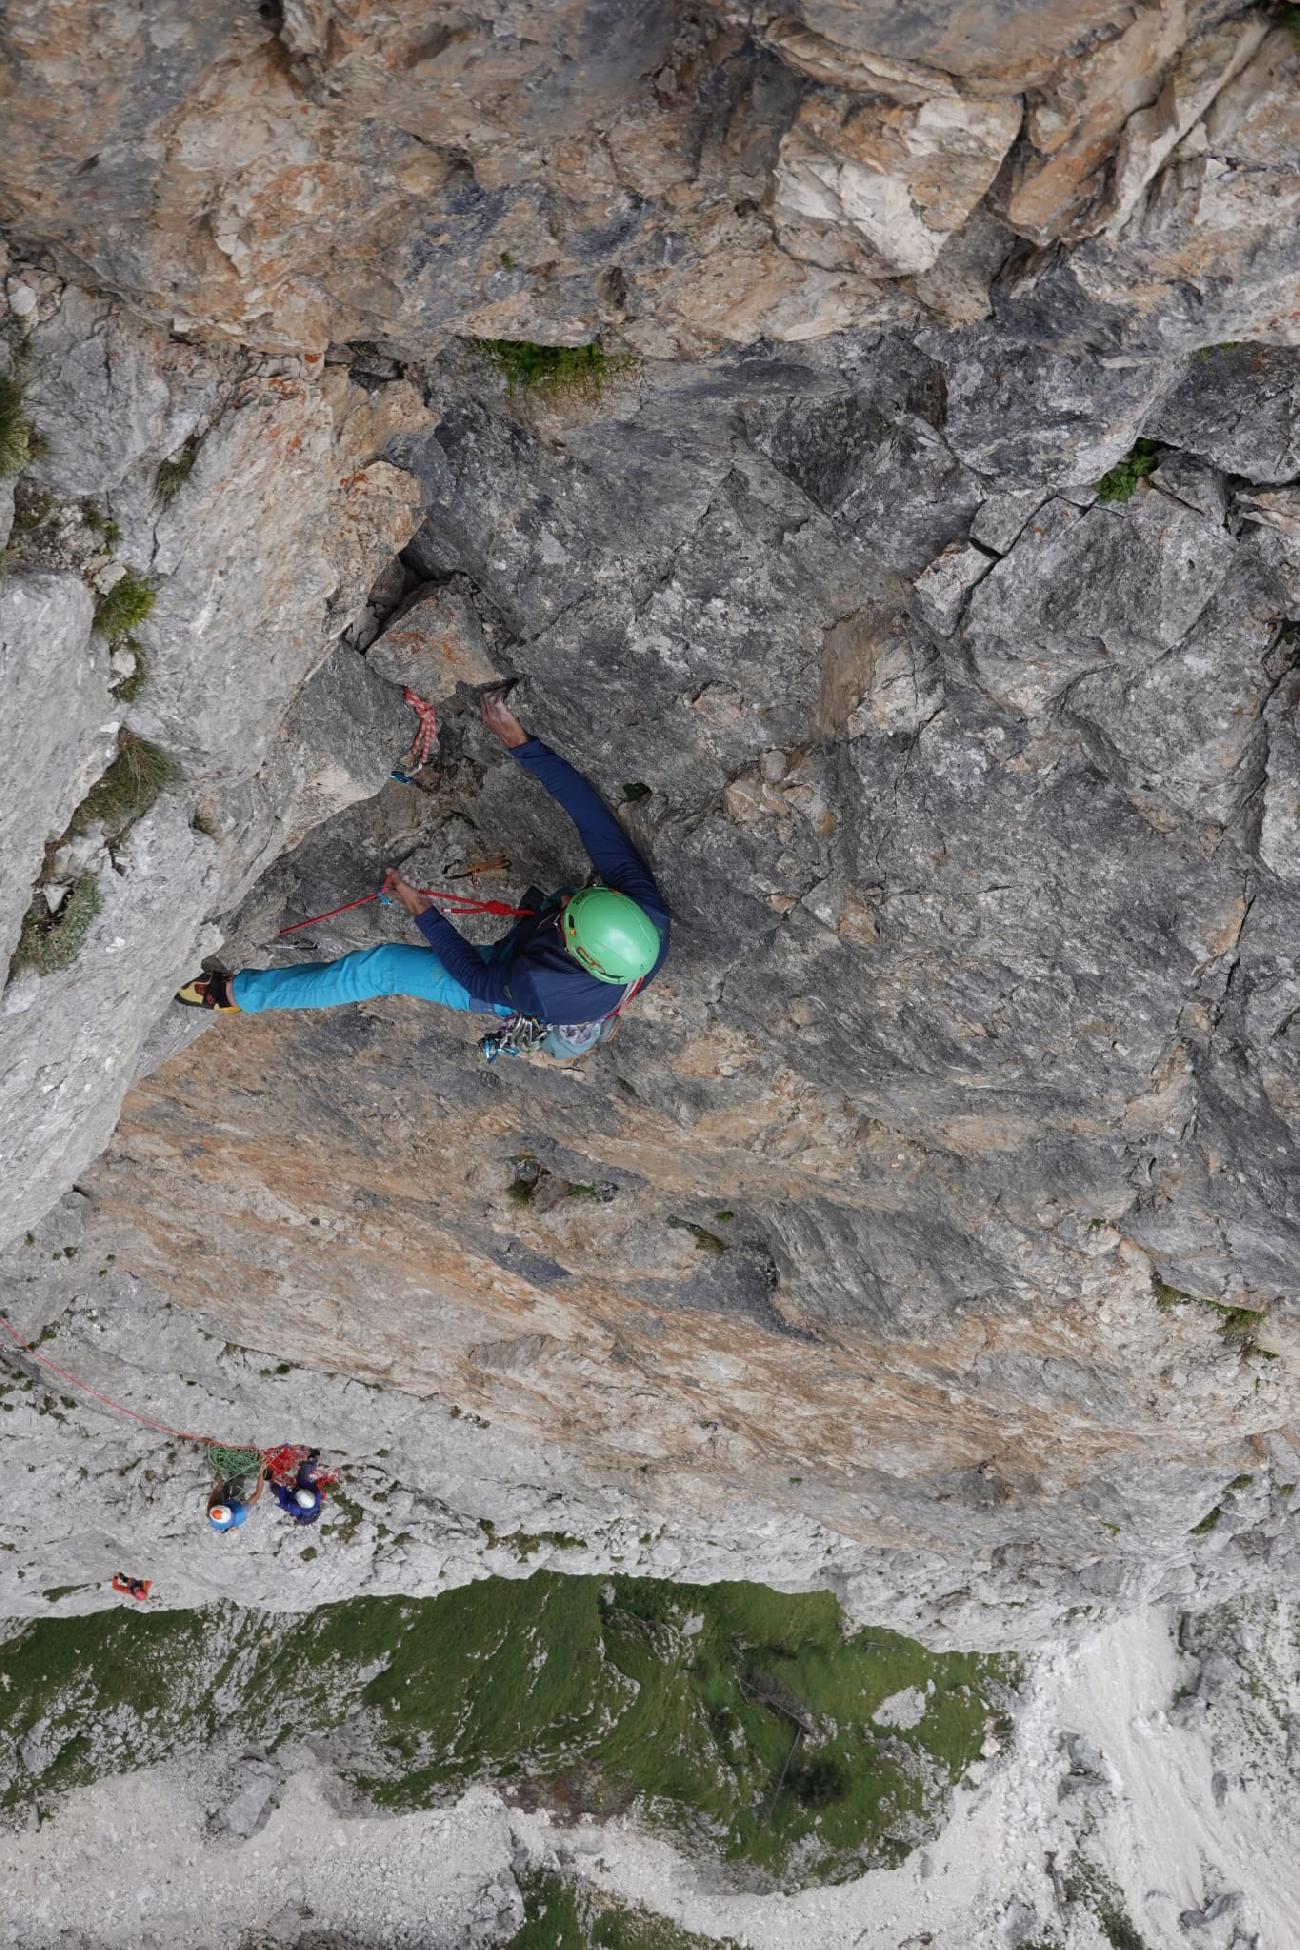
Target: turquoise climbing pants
[[392, 969]]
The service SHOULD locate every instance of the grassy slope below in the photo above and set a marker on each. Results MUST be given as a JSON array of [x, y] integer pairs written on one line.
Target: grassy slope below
[[561, 1915], [737, 1717]]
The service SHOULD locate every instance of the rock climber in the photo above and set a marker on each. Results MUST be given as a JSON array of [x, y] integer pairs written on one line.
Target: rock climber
[[299, 1490], [229, 1503], [568, 968], [137, 1588], [303, 1504]]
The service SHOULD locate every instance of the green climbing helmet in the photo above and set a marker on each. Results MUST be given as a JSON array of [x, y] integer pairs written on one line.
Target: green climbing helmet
[[610, 935]]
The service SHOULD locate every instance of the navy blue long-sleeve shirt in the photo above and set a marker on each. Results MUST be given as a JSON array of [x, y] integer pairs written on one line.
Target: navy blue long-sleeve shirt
[[537, 976]]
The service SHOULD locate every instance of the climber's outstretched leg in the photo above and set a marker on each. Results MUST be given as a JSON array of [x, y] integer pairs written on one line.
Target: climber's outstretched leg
[[393, 968]]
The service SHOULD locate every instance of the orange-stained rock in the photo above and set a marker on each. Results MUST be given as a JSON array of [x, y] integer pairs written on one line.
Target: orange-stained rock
[[435, 643]]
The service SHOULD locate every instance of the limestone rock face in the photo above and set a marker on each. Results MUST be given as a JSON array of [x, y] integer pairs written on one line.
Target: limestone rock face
[[57, 727], [278, 520], [902, 178], [949, 1167], [930, 1227], [678, 179], [1201, 252], [435, 642]]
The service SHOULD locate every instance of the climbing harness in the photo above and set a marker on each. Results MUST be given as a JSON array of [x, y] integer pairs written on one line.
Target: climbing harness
[[518, 1036], [524, 1035]]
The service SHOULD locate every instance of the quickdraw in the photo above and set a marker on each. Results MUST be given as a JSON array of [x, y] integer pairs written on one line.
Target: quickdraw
[[519, 1036]]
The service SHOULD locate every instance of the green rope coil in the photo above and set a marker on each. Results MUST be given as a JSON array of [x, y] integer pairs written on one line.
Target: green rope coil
[[230, 1463]]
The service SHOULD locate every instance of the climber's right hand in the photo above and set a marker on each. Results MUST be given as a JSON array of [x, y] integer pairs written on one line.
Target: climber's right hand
[[502, 723]]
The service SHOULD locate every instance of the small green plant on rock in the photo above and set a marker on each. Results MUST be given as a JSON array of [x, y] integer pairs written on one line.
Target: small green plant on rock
[[175, 471], [530, 368], [128, 789], [705, 1241], [1121, 482], [52, 940], [130, 687], [18, 440], [124, 608], [1238, 1326], [101, 523]]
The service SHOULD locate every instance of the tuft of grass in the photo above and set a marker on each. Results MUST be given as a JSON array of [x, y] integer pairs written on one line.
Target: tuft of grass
[[51, 942], [1209, 1522], [128, 789], [705, 1241], [1242, 1482], [530, 368], [130, 687], [124, 608], [1239, 1325], [18, 442], [174, 472], [524, 1542], [101, 523], [1141, 460], [1087, 1886]]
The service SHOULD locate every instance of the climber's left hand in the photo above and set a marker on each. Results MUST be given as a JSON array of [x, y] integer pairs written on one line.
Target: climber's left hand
[[402, 891]]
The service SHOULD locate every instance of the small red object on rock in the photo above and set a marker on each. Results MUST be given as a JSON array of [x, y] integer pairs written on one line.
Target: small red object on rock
[[427, 736]]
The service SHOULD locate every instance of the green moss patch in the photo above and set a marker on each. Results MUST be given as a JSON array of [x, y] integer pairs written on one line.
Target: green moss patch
[[530, 368], [1239, 1326], [52, 941], [1121, 482], [736, 1718]]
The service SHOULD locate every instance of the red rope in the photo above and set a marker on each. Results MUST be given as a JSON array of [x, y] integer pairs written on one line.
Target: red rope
[[164, 1428], [453, 903], [427, 735]]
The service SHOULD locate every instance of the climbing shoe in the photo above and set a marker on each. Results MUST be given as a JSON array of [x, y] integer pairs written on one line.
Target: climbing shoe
[[209, 992]]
